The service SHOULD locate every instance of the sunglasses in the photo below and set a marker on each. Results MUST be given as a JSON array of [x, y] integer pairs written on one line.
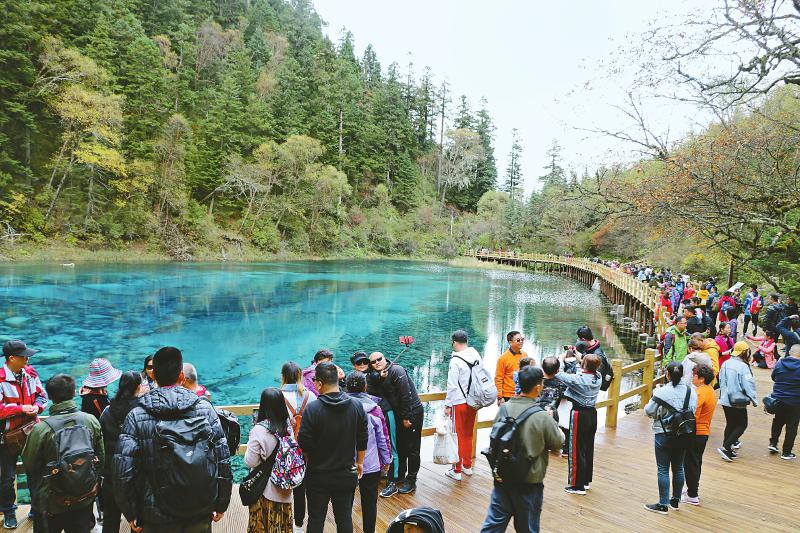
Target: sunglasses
[[518, 339], [149, 367], [362, 362], [373, 361]]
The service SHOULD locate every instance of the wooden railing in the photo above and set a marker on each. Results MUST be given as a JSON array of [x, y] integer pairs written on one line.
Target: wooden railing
[[612, 403]]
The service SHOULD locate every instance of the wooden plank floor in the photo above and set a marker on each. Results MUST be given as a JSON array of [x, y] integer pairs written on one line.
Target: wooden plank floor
[[758, 492]]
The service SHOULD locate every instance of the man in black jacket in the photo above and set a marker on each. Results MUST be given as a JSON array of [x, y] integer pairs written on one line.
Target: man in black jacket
[[333, 431], [147, 482], [396, 387]]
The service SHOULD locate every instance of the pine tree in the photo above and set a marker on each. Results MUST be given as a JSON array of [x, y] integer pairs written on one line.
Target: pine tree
[[464, 118], [555, 173], [513, 183]]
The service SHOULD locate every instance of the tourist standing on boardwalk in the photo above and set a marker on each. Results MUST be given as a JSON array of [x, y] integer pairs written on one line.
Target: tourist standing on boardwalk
[[333, 428], [507, 364], [272, 513], [702, 376], [63, 440], [111, 422], [321, 356], [737, 390], [786, 392], [676, 341], [94, 392], [399, 391], [776, 311], [725, 342], [377, 457], [190, 381], [459, 373], [148, 379], [538, 435], [582, 389], [753, 303], [297, 399], [22, 399], [155, 488], [670, 448], [592, 346]]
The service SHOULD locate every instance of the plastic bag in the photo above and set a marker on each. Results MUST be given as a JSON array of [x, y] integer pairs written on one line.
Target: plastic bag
[[445, 443]]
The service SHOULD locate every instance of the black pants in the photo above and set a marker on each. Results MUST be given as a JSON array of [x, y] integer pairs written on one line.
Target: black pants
[[368, 488], [111, 513], [336, 489], [582, 429], [299, 496], [747, 319], [735, 425], [75, 521], [789, 416], [198, 526], [565, 447], [408, 444], [693, 463]]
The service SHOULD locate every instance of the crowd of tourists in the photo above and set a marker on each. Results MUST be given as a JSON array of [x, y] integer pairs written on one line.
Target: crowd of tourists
[[158, 452]]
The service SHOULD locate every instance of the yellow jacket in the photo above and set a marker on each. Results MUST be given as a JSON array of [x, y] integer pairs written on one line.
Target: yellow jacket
[[507, 364], [711, 348]]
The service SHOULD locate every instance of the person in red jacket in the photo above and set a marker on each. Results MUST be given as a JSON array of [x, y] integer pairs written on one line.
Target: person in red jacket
[[22, 399]]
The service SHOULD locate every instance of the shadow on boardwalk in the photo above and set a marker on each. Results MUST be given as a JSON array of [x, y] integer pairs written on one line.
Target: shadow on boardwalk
[[758, 492]]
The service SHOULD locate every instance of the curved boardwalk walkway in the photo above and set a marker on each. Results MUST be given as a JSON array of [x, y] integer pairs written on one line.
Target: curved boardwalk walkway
[[758, 492]]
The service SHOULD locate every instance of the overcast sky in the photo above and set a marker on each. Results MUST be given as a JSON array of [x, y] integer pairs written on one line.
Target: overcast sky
[[541, 65]]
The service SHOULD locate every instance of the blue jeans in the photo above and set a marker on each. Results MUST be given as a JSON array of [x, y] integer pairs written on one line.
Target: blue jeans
[[670, 452], [521, 501]]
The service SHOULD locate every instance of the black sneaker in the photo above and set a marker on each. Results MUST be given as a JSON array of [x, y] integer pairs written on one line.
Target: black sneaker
[[736, 445], [656, 508], [10, 520], [407, 487], [773, 448], [726, 455], [390, 490], [788, 456], [575, 490], [673, 504]]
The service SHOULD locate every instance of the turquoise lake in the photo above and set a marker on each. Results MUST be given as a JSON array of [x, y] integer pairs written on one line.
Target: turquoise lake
[[239, 322]]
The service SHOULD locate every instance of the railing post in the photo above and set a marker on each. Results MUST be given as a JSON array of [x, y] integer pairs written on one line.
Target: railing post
[[475, 437], [648, 374], [613, 394]]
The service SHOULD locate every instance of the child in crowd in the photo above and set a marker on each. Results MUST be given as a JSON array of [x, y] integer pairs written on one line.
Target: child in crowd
[[552, 389], [525, 361]]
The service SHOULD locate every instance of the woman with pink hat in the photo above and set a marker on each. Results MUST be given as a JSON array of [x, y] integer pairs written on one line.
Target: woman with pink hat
[[94, 393]]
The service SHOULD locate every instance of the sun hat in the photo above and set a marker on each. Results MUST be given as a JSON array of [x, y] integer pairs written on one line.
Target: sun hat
[[739, 348], [101, 374]]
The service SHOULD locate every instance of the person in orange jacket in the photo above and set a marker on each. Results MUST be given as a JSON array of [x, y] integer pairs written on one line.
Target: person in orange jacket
[[507, 364]]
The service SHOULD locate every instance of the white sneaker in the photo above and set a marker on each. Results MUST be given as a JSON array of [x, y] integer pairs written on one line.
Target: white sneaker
[[466, 471], [452, 474], [587, 486], [297, 529]]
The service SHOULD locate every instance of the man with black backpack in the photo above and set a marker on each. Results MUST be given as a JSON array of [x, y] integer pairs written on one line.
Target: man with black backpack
[[522, 435], [69, 441], [156, 487]]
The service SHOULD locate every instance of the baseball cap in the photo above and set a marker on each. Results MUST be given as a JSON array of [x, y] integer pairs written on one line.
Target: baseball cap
[[359, 356], [17, 347], [740, 347]]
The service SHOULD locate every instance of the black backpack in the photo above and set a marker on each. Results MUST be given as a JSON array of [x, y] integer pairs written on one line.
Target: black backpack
[[74, 474], [231, 428], [677, 423], [606, 372], [186, 467], [506, 454]]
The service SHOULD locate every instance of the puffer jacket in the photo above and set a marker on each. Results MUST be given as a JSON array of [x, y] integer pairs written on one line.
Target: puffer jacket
[[378, 453], [111, 421], [135, 462]]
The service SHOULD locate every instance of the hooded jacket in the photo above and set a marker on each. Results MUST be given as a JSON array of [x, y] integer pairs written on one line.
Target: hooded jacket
[[378, 453], [676, 344], [458, 374], [397, 389], [111, 421], [673, 395], [134, 464], [786, 376], [332, 428]]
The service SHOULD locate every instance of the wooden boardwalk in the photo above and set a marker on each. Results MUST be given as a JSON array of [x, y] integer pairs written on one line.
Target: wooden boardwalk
[[758, 492]]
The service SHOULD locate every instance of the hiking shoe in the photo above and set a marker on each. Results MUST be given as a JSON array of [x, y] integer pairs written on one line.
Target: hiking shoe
[[575, 490], [736, 445], [673, 504], [389, 490], [726, 454], [685, 498], [773, 448], [407, 487], [452, 474], [656, 508], [10, 520], [466, 471], [788, 456]]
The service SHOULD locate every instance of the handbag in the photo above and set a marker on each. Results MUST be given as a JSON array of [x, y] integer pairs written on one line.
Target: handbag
[[14, 439], [770, 404], [255, 483], [445, 443]]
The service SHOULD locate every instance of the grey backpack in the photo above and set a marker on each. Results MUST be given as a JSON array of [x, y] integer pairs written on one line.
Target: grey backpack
[[481, 390], [74, 473]]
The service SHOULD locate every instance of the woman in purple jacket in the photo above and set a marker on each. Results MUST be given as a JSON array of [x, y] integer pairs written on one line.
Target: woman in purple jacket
[[378, 457]]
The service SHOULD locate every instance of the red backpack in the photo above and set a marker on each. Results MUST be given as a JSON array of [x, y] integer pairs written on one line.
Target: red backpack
[[295, 417], [755, 305]]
